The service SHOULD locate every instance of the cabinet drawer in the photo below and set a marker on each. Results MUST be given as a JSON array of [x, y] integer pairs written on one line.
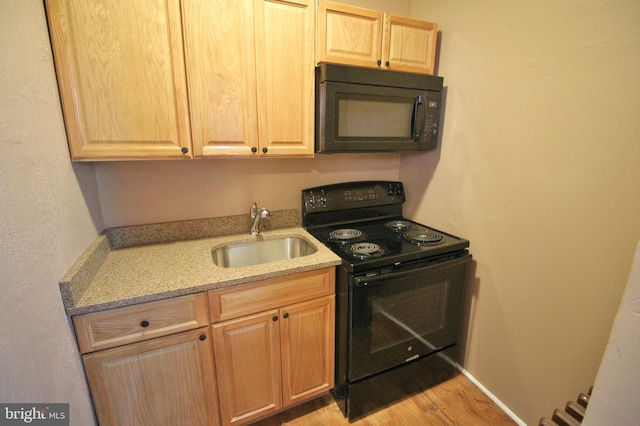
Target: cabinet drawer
[[233, 302], [115, 327]]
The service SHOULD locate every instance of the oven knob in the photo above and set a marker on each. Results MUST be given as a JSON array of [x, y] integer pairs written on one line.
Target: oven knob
[[410, 348]]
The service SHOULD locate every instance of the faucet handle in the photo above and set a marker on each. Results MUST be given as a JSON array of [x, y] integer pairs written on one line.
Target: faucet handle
[[254, 209]]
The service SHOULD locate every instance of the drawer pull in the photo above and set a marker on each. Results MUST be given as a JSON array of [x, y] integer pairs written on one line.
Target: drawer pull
[[144, 323]]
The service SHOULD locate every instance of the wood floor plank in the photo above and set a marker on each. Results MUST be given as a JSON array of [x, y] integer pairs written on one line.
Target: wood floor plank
[[455, 402]]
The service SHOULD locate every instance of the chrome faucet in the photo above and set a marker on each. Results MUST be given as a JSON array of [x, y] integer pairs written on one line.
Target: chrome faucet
[[256, 215]]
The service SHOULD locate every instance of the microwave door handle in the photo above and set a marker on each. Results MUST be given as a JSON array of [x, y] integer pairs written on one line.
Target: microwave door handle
[[415, 135]]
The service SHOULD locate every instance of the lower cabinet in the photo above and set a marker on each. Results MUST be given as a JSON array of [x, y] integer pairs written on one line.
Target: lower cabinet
[[164, 381], [151, 363], [251, 349], [247, 353], [277, 349], [274, 359]]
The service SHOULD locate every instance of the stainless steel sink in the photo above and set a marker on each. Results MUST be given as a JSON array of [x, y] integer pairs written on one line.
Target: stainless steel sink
[[263, 251]]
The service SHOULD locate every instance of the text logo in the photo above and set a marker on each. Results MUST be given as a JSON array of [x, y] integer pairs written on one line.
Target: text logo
[[34, 414]]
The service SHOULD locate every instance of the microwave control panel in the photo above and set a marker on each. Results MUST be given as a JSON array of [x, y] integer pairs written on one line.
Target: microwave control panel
[[429, 134]]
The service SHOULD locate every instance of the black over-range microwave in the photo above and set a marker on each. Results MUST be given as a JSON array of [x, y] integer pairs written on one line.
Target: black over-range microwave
[[369, 110]]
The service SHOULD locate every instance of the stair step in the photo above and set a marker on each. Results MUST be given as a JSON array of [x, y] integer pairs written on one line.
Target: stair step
[[564, 419], [583, 399], [546, 421], [575, 410], [572, 415]]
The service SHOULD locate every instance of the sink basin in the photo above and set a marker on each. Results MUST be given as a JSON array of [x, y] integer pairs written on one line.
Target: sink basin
[[263, 251]]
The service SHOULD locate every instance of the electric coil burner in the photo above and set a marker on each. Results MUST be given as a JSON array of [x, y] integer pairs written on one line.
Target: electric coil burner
[[399, 225], [423, 237], [345, 236], [365, 250], [399, 293]]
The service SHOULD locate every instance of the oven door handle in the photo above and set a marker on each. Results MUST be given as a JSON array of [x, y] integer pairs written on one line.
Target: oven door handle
[[412, 270]]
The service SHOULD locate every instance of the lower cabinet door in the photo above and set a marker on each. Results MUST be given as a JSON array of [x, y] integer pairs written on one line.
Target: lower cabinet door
[[307, 336], [247, 353], [164, 381]]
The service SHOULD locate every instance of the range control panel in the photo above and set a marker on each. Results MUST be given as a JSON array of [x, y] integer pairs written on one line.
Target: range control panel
[[352, 195]]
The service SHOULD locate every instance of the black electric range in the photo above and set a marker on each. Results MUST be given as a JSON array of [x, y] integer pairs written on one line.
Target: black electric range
[[399, 293]]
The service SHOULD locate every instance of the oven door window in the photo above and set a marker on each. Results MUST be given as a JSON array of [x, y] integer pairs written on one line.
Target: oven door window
[[404, 317]]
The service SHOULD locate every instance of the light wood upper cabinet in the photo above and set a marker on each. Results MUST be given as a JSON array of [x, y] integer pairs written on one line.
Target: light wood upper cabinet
[[250, 71], [120, 69], [185, 79], [349, 35], [285, 34], [363, 37], [409, 44], [221, 73]]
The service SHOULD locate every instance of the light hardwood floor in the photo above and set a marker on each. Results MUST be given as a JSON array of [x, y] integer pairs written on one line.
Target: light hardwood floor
[[455, 402]]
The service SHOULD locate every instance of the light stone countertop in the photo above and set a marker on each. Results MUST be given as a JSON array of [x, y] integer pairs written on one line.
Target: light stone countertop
[[153, 266]]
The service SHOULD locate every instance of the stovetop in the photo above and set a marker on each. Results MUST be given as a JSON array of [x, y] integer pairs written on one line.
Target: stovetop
[[362, 223], [385, 242]]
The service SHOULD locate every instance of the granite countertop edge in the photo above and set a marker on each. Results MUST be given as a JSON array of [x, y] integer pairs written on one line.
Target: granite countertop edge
[[153, 262]]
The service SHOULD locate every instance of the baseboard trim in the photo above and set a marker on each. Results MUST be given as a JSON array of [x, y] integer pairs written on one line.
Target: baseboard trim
[[499, 403]]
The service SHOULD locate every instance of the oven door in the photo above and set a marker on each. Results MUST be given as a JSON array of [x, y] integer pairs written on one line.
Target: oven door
[[404, 315]]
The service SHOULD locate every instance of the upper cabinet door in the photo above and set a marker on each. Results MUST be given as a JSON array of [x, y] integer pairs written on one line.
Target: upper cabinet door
[[409, 45], [357, 36], [220, 57], [285, 33], [349, 35], [120, 68]]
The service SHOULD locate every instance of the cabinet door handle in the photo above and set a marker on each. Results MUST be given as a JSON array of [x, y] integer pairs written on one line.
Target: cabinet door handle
[[144, 323], [184, 150], [286, 315], [275, 318], [203, 337], [265, 149], [254, 149], [379, 62]]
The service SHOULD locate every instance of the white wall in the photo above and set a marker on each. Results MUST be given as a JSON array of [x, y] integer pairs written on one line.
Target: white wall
[[615, 395], [49, 213], [540, 169]]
